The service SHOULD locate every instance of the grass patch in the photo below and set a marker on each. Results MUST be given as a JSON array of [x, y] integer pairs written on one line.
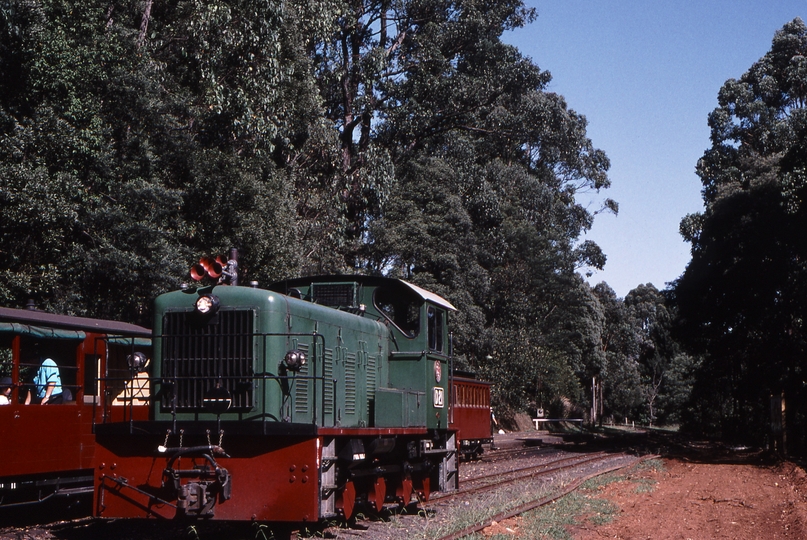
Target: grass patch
[[554, 520]]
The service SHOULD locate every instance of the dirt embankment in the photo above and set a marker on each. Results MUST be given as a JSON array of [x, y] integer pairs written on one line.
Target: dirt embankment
[[695, 499]]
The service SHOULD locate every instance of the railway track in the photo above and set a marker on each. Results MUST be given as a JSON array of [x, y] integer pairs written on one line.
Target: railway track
[[531, 505], [504, 453], [516, 482], [495, 480]]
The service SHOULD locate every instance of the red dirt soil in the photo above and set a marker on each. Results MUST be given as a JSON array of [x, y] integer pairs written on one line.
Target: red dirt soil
[[696, 500]]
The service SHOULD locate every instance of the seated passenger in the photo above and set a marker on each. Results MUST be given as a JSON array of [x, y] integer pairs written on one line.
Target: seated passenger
[[5, 390], [47, 385]]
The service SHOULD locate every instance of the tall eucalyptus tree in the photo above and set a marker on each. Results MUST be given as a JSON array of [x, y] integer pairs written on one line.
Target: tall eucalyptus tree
[[741, 298]]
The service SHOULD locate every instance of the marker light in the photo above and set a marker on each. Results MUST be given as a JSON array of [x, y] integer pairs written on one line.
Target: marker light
[[137, 361]]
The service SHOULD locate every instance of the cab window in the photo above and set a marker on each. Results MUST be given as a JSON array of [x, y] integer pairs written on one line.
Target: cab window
[[403, 311], [435, 318]]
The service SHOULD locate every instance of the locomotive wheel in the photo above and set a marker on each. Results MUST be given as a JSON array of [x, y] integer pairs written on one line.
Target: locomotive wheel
[[348, 499], [378, 493], [425, 489], [404, 491]]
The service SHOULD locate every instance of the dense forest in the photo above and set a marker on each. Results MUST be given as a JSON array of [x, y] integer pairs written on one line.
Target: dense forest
[[404, 139]]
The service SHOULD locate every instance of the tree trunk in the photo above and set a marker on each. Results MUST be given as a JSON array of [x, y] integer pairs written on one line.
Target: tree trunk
[[144, 23]]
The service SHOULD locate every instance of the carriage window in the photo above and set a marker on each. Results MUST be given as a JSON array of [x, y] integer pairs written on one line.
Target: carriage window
[[5, 360], [91, 364], [62, 353], [126, 386], [6, 367], [435, 329]]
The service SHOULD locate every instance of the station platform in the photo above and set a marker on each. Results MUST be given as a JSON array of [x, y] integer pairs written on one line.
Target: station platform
[[516, 439]]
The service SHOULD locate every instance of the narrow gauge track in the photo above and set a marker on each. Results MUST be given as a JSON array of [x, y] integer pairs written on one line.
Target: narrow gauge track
[[505, 453], [365, 528], [493, 496], [515, 475], [526, 507]]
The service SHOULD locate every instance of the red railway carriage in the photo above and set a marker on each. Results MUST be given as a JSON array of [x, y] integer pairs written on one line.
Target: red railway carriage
[[48, 450], [470, 414]]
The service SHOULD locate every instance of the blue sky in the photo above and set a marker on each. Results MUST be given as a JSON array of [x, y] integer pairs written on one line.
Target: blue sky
[[646, 75]]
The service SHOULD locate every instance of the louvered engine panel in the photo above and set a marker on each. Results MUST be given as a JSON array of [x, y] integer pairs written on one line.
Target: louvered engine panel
[[301, 385], [350, 383], [329, 387]]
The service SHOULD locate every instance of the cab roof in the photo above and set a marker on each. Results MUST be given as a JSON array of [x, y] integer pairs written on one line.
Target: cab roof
[[370, 281]]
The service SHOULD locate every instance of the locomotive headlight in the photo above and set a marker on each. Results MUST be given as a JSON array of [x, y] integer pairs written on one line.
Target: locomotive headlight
[[295, 360], [207, 304]]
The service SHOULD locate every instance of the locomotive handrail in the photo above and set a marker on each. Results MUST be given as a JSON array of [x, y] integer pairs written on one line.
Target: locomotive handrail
[[315, 351], [419, 354], [316, 337], [254, 377]]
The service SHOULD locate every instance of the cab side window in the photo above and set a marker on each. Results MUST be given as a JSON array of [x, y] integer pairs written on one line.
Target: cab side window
[[435, 319], [402, 311]]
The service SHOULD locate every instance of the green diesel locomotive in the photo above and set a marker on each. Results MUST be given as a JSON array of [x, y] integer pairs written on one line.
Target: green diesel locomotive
[[292, 403]]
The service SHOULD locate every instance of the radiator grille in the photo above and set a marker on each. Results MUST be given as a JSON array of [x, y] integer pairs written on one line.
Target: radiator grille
[[202, 357]]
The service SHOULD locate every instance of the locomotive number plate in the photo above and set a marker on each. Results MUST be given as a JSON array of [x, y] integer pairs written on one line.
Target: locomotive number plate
[[438, 397]]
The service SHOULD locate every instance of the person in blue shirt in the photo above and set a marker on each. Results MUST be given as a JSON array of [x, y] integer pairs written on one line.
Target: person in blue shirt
[[47, 385]]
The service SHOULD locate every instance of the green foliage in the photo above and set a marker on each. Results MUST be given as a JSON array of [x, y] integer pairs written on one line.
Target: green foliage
[[741, 298], [5, 361], [126, 153], [318, 136], [647, 377]]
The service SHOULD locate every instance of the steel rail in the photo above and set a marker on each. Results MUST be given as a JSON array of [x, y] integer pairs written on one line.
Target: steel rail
[[540, 465], [526, 507], [535, 470]]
